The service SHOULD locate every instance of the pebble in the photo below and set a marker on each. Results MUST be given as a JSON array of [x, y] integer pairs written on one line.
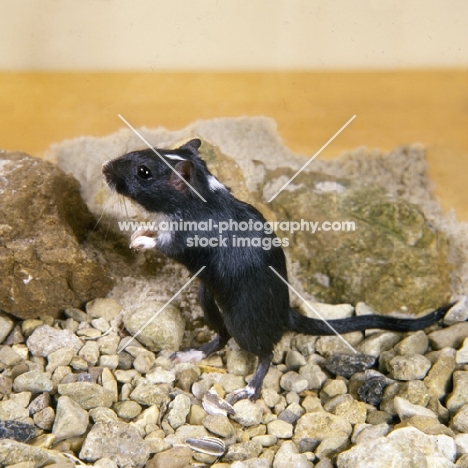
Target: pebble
[[17, 430], [247, 413], [450, 337], [292, 413], [314, 375], [458, 313], [406, 410], [105, 308], [294, 360], [127, 409], [375, 344], [45, 418], [239, 362], [71, 419], [331, 446], [460, 420], [87, 394], [90, 352], [280, 429], [179, 412], [349, 409], [243, 451], [348, 364], [328, 345], [9, 357], [416, 343], [333, 388], [411, 367], [61, 357], [45, 340], [293, 382], [462, 354], [119, 441], [439, 378], [176, 457], [461, 442], [288, 456], [459, 396], [218, 425], [6, 326], [321, 425], [33, 381]]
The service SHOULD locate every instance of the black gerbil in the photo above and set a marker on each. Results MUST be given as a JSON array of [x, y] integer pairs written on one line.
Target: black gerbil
[[240, 295]]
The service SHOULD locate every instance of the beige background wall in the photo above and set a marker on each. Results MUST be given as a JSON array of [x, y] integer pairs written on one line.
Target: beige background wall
[[232, 34]]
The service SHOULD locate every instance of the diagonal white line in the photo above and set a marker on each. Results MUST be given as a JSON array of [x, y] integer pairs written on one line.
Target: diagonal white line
[[312, 158], [161, 309], [315, 311], [157, 153]]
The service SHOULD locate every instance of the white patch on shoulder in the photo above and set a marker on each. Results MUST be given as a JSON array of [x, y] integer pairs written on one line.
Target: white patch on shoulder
[[174, 156], [215, 184], [164, 238], [192, 355], [143, 243]]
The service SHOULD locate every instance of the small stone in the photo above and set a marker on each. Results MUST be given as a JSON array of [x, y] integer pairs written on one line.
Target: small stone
[[348, 408], [13, 452], [406, 410], [294, 360], [450, 337], [321, 425], [71, 419], [294, 382], [439, 378], [9, 357], [127, 409], [412, 367], [148, 394], [176, 457], [45, 340], [22, 399], [109, 361], [76, 314], [105, 463], [416, 343], [314, 375], [6, 326], [365, 432], [197, 415], [265, 440], [16, 430], [372, 389], [243, 451], [9, 410], [101, 324], [462, 354], [61, 357], [461, 441], [327, 311], [375, 344], [119, 441], [292, 413], [33, 381], [103, 415], [105, 308], [328, 345], [458, 313], [459, 396], [312, 404], [219, 425], [39, 403], [240, 362], [144, 362], [87, 394], [6, 384], [180, 410], [44, 419], [159, 375], [331, 446], [428, 425], [280, 429], [247, 413], [348, 364], [332, 388], [165, 333], [288, 456], [460, 420], [90, 352]]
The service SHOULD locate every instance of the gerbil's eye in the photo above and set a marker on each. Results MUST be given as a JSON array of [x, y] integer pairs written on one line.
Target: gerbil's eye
[[144, 172]]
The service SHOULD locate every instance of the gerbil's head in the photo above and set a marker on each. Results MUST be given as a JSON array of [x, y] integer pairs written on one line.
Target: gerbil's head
[[161, 180]]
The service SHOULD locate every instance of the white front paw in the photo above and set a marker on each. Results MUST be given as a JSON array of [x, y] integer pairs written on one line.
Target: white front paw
[[143, 239]]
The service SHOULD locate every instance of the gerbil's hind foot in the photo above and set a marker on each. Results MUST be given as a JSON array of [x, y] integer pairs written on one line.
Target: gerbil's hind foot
[[143, 239], [246, 393]]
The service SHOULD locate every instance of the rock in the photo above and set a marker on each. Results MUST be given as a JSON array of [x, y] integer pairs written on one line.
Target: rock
[[16, 430], [321, 425], [242, 451], [90, 352], [33, 381], [350, 410], [127, 409], [119, 441], [176, 457], [398, 246], [45, 340], [293, 382], [426, 424], [439, 378], [459, 396], [106, 308], [332, 388], [13, 452], [372, 389], [39, 403], [458, 313], [11, 410], [366, 432], [328, 345], [314, 375], [450, 337], [406, 410], [411, 367], [164, 333], [180, 410], [405, 448], [87, 394], [71, 419], [44, 419], [327, 311], [416, 343], [240, 362], [9, 357], [460, 420], [280, 429], [61, 357], [288, 456], [415, 392], [294, 360], [148, 394], [462, 354], [292, 413], [331, 446], [348, 364], [218, 425], [6, 326], [42, 265], [375, 344], [461, 441], [247, 413]]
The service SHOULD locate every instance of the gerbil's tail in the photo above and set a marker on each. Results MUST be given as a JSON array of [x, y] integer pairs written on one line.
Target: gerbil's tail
[[301, 324]]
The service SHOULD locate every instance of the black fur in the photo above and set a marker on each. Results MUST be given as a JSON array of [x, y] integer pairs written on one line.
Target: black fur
[[240, 295]]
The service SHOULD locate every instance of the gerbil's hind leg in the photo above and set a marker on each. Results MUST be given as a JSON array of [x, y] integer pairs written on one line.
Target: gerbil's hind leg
[[254, 388], [214, 319]]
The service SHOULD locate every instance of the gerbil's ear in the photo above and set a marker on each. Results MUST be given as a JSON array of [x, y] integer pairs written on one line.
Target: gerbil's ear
[[192, 146], [185, 169]]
